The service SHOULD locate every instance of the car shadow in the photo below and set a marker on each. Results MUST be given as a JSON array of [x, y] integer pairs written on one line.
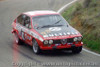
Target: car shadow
[[50, 52]]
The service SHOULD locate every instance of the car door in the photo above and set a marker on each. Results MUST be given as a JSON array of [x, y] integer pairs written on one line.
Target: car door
[[27, 24], [20, 27]]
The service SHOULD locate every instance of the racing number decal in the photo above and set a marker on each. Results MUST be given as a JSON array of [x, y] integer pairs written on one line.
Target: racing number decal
[[55, 29], [21, 31], [22, 35], [28, 34], [28, 38]]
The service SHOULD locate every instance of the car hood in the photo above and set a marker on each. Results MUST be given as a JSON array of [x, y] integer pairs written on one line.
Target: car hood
[[58, 32]]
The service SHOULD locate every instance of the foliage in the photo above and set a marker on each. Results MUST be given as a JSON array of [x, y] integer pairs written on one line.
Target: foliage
[[85, 17]]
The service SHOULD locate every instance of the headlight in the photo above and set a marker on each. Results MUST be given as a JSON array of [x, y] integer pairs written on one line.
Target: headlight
[[45, 42], [79, 38], [75, 39], [50, 41]]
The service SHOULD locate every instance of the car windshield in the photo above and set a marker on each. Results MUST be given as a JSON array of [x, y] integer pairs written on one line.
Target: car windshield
[[48, 21]]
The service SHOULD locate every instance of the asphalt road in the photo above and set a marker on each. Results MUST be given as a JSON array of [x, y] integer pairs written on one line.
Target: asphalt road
[[10, 54]]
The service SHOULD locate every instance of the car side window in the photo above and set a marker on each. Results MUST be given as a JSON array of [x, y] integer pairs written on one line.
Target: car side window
[[27, 22], [20, 19]]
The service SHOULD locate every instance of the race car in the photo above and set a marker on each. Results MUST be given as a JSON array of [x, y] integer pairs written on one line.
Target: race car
[[46, 30]]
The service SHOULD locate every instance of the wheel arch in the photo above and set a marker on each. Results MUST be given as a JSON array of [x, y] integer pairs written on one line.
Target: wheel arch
[[36, 41]]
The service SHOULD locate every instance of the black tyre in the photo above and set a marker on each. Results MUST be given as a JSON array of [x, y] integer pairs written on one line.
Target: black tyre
[[17, 40], [36, 48], [76, 49]]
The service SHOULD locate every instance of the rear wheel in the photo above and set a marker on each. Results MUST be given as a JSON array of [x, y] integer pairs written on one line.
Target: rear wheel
[[18, 41], [36, 48], [77, 49]]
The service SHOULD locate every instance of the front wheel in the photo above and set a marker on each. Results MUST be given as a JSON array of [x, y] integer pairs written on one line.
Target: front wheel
[[17, 40], [36, 48], [77, 49]]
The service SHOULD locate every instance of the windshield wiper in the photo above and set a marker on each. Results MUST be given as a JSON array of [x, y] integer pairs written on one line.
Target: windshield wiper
[[57, 22], [52, 25], [46, 26], [43, 26]]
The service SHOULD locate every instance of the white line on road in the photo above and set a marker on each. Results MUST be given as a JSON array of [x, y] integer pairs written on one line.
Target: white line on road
[[64, 7], [91, 52]]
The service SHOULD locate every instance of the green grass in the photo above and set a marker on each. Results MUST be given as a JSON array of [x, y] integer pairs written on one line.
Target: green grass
[[94, 45], [87, 21]]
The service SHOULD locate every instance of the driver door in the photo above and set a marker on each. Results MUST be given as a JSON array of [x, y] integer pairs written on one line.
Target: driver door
[[27, 24]]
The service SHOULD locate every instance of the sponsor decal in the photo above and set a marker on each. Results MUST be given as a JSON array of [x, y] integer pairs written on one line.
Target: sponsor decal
[[76, 33], [65, 33], [68, 33], [55, 29], [22, 30], [51, 35], [45, 35], [18, 27], [57, 44], [36, 36], [22, 34], [72, 33], [60, 34], [69, 43], [45, 32], [55, 34]]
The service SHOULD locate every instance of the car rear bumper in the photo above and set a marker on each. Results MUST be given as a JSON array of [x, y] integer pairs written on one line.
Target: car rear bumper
[[60, 46]]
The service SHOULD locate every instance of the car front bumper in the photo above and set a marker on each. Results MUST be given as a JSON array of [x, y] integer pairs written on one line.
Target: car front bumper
[[60, 46]]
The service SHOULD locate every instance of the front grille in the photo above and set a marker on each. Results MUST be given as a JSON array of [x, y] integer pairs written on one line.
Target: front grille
[[69, 40]]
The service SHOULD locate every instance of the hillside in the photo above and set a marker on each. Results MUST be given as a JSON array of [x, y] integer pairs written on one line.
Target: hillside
[[85, 17]]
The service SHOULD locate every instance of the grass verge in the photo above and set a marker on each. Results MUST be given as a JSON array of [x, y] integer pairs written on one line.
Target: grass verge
[[85, 17]]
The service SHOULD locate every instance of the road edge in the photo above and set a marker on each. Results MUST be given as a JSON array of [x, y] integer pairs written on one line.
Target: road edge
[[65, 7]]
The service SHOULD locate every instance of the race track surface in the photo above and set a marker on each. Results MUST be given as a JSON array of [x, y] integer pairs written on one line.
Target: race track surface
[[9, 10]]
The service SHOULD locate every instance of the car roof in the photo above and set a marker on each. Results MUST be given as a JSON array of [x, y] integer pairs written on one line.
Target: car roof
[[42, 12]]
